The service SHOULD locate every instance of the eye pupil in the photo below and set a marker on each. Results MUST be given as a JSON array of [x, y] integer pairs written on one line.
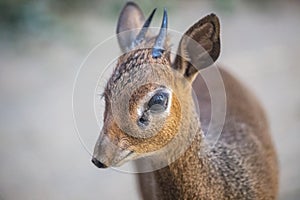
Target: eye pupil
[[158, 99], [158, 102]]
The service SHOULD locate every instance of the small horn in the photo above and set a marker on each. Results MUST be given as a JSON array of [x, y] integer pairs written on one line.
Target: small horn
[[141, 36], [158, 48]]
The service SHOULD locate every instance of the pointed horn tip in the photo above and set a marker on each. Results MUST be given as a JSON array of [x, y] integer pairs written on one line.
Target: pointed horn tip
[[165, 19], [152, 13], [165, 12], [144, 29], [149, 19]]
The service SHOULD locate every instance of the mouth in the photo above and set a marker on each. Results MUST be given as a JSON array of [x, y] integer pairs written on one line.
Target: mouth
[[127, 158]]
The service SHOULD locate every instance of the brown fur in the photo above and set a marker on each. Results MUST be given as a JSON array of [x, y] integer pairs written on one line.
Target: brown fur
[[242, 164], [139, 94], [145, 145]]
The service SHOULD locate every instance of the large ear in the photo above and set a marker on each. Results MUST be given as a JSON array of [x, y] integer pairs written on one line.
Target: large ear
[[199, 47], [131, 18]]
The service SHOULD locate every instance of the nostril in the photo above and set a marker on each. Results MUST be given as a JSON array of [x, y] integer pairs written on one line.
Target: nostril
[[98, 163]]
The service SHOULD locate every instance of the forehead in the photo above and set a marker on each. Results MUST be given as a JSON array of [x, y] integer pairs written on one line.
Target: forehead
[[136, 68]]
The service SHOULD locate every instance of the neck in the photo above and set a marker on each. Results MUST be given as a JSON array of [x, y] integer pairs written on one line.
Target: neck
[[188, 173]]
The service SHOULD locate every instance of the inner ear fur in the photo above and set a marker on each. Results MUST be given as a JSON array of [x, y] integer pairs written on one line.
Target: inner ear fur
[[199, 47]]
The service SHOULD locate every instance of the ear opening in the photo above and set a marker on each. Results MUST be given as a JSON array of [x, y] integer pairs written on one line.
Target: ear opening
[[199, 47]]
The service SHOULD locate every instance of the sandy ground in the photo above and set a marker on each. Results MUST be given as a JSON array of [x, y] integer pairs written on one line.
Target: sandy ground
[[41, 155]]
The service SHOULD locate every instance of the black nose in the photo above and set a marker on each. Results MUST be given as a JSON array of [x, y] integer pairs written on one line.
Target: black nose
[[98, 163]]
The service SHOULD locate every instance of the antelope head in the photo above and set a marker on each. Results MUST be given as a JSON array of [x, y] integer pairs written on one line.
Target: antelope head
[[148, 98]]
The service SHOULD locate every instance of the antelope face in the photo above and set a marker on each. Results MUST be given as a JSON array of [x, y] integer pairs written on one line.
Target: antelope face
[[147, 96], [142, 111]]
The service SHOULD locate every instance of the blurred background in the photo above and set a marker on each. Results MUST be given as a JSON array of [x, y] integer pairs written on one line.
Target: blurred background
[[42, 44]]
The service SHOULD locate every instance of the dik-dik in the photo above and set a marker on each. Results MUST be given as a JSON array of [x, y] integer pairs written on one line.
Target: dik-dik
[[149, 105]]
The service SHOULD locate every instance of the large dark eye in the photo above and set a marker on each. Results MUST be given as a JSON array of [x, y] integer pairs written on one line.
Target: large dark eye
[[159, 102]]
